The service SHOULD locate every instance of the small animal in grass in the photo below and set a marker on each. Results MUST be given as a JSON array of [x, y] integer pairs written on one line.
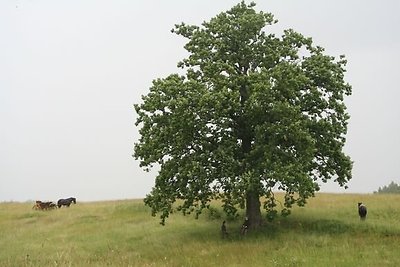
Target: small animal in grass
[[224, 232], [362, 211]]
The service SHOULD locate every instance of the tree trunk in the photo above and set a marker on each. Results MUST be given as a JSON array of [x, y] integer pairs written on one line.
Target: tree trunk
[[253, 211]]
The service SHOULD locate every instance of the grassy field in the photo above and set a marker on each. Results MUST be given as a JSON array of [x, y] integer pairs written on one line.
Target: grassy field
[[327, 232]]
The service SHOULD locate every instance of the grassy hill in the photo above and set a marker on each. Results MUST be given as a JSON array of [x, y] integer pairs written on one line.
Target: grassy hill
[[327, 232]]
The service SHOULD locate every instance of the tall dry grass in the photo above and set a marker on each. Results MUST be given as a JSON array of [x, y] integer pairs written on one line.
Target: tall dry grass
[[327, 232]]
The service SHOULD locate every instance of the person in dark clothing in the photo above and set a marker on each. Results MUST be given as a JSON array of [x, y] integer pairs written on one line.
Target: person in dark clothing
[[245, 226], [224, 232]]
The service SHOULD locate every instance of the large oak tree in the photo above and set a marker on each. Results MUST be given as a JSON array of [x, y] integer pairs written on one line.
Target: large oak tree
[[252, 113]]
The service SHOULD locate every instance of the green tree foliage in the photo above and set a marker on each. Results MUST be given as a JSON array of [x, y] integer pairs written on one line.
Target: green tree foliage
[[391, 188], [253, 113]]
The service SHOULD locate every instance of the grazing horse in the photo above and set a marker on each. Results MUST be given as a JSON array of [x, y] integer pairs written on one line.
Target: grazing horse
[[40, 205], [66, 202], [52, 205], [362, 211], [37, 205]]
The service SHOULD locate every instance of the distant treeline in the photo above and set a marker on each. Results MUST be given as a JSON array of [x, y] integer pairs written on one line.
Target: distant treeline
[[392, 188]]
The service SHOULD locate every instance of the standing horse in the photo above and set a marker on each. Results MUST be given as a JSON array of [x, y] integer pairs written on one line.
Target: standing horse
[[362, 211], [39, 205], [66, 202]]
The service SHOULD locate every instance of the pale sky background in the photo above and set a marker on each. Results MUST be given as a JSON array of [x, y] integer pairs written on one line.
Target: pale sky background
[[71, 70]]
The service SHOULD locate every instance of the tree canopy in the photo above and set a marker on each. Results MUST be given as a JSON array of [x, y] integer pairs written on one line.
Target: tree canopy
[[253, 113]]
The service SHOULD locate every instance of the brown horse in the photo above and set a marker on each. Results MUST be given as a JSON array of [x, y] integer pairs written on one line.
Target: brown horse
[[39, 205]]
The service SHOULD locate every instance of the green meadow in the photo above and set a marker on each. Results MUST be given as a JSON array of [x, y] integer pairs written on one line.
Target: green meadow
[[327, 232]]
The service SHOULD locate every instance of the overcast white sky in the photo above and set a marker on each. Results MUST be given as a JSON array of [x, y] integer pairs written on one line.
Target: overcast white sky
[[70, 72]]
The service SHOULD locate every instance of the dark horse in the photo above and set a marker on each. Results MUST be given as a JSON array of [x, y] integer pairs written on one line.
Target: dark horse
[[66, 202], [362, 211]]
